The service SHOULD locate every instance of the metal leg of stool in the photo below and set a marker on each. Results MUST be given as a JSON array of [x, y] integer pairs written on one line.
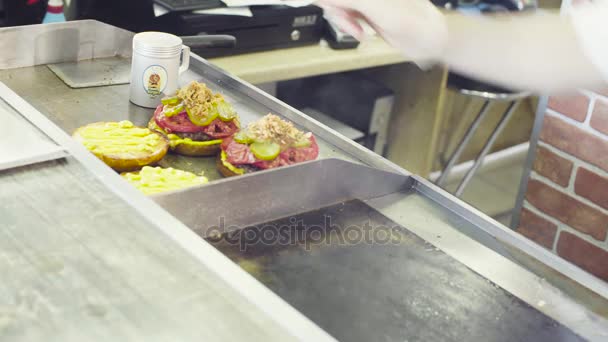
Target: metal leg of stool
[[463, 143], [486, 148]]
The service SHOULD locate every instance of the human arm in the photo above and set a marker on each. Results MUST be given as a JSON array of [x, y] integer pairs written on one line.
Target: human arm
[[534, 51]]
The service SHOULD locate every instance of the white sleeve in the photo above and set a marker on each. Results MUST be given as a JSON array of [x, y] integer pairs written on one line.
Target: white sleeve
[[590, 22]]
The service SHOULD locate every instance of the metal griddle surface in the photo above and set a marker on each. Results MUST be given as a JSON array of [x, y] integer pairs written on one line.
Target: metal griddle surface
[[401, 291]]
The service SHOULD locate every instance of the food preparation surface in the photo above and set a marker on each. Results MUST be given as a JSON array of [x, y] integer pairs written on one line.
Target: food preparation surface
[[79, 264], [72, 108], [125, 261], [405, 289]]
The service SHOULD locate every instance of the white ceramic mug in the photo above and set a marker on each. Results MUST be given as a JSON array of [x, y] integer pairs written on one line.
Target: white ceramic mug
[[155, 67]]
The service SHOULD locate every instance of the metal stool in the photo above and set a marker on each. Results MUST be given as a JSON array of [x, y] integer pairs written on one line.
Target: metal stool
[[490, 94]]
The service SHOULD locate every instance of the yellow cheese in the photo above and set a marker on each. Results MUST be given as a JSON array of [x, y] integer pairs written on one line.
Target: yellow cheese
[[229, 166], [175, 140], [152, 180], [119, 137]]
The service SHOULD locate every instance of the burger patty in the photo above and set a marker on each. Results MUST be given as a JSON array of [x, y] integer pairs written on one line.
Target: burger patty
[[249, 168], [197, 136]]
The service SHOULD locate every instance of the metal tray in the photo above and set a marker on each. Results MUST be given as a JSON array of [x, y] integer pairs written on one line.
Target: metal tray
[[345, 172], [256, 224], [22, 143], [236, 203]]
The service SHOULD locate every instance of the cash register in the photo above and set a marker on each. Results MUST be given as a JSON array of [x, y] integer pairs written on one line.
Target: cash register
[[269, 28]]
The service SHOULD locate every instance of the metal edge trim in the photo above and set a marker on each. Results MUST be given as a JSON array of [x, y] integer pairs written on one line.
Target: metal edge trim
[[254, 174], [324, 132], [488, 95], [511, 237], [286, 316], [40, 158], [229, 179], [523, 185], [122, 51]]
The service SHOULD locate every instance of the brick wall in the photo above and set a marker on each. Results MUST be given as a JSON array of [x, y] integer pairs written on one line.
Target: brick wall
[[566, 204]]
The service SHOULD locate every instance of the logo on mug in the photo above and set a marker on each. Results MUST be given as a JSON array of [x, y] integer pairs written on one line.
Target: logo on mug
[[154, 80]]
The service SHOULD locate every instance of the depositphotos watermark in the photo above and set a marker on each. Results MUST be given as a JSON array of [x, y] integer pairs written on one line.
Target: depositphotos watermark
[[297, 233]]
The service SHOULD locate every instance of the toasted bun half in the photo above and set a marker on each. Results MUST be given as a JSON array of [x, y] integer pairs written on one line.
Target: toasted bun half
[[186, 148], [196, 151], [127, 157], [225, 171], [224, 167]]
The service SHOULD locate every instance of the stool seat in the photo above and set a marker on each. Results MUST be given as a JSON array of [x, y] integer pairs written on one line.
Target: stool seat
[[489, 94], [471, 87]]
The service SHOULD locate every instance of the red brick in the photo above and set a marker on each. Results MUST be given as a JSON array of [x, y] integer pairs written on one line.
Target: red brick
[[592, 186], [599, 118], [584, 254], [552, 166], [573, 106], [575, 141], [537, 228], [601, 91], [568, 210]]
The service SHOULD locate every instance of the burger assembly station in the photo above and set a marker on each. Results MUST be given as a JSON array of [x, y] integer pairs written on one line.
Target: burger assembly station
[[148, 195]]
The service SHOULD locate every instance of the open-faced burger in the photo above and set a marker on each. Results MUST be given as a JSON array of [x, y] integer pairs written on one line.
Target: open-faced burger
[[195, 120], [265, 144], [122, 145]]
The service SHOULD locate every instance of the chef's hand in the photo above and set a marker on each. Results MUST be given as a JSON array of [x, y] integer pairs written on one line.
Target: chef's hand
[[416, 27]]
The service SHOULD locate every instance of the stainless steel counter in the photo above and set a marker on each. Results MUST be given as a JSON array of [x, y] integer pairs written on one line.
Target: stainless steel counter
[[85, 246], [85, 258], [79, 264]]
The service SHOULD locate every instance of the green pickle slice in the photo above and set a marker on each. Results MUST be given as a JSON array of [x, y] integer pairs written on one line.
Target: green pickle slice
[[171, 100], [201, 120], [171, 110], [303, 143], [242, 137], [265, 150], [225, 111]]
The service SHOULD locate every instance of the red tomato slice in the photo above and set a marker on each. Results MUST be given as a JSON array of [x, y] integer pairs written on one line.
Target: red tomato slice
[[240, 154], [177, 123], [300, 154], [268, 164], [226, 142]]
